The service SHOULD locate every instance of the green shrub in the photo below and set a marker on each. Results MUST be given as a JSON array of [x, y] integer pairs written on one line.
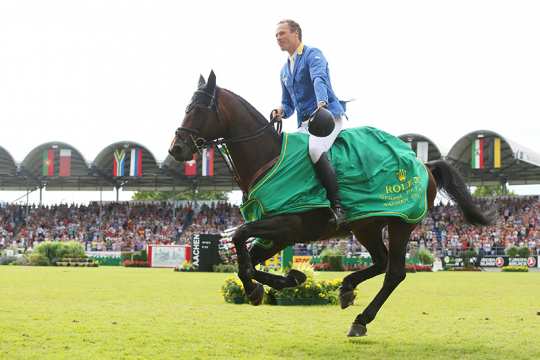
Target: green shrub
[[56, 250], [140, 255], [72, 249], [37, 259], [512, 251], [333, 257], [331, 252], [425, 256], [225, 268], [523, 251]]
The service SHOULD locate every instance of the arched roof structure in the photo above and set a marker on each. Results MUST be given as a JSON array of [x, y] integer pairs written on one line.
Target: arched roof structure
[[500, 160]]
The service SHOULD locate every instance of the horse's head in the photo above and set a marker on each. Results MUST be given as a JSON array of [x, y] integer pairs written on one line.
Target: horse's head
[[201, 122]]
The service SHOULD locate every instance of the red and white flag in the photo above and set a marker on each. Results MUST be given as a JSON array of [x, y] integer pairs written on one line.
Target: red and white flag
[[208, 162], [190, 167]]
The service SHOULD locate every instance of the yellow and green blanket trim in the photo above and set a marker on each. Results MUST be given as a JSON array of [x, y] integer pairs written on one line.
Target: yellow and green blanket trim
[[378, 175]]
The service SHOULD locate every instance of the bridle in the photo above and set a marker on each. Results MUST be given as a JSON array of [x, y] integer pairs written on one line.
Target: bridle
[[199, 142]]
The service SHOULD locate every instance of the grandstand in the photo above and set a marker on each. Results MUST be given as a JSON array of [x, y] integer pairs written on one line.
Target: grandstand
[[483, 157]]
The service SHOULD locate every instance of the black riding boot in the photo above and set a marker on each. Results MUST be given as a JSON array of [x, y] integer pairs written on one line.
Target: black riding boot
[[327, 176]]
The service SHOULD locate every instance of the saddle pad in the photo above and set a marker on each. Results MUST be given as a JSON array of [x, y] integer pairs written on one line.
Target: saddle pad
[[378, 175]]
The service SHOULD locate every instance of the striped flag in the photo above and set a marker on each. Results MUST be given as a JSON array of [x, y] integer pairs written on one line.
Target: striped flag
[[47, 167], [486, 153], [190, 167], [477, 154], [208, 162], [65, 162], [135, 166], [118, 162]]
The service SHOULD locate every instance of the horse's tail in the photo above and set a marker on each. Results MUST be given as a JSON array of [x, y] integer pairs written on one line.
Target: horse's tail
[[450, 182]]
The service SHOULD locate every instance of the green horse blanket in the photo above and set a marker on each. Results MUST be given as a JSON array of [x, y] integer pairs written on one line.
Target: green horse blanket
[[378, 175]]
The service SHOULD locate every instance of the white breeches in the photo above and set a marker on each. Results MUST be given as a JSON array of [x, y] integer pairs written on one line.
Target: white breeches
[[320, 145]]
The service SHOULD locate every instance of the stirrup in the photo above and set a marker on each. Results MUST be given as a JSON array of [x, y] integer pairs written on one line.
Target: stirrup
[[338, 216]]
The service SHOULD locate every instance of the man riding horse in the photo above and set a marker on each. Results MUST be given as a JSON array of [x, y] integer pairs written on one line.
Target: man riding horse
[[382, 183], [306, 88]]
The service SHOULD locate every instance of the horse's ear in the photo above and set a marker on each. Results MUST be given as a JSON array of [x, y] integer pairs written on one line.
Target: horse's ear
[[202, 82], [211, 84]]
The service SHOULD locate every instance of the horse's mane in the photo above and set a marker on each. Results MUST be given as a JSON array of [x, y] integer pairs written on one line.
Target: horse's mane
[[259, 118]]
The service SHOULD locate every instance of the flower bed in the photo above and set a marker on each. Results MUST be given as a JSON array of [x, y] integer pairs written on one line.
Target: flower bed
[[515, 268], [355, 267], [321, 267], [417, 268], [233, 291], [470, 268], [135, 263], [311, 292]]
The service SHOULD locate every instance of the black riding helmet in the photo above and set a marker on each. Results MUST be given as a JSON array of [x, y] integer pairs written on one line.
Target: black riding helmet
[[321, 122]]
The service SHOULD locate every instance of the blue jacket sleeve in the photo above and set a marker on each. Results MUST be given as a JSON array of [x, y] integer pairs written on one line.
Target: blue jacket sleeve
[[318, 70], [286, 101]]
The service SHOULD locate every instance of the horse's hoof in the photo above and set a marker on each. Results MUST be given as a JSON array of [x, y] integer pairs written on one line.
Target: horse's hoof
[[346, 297], [297, 277], [257, 295], [357, 330]]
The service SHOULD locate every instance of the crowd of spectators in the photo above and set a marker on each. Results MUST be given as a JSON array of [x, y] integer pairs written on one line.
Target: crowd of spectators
[[132, 225], [113, 226], [517, 223]]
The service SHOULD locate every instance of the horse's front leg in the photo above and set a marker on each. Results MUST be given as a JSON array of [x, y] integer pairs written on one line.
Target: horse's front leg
[[253, 290], [285, 229]]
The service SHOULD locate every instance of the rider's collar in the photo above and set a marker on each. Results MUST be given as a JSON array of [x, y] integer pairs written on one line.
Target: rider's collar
[[298, 51]]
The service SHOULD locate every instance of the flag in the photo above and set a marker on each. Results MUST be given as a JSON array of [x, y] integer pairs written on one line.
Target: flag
[[190, 167], [497, 153], [208, 162], [118, 162], [47, 168], [135, 166], [422, 150], [477, 154], [65, 162]]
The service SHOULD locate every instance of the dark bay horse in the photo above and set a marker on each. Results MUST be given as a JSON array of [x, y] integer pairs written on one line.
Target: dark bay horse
[[216, 115]]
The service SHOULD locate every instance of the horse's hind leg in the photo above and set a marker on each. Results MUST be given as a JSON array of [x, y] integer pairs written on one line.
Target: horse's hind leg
[[399, 233], [259, 254], [370, 236]]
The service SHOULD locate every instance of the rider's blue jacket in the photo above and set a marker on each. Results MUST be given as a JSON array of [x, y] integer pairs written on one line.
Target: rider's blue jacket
[[307, 85]]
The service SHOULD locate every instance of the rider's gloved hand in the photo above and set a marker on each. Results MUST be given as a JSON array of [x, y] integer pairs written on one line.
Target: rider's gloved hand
[[277, 114], [322, 104]]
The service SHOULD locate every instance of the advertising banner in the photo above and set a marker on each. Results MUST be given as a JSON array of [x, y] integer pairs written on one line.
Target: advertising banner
[[205, 251], [492, 261], [168, 256]]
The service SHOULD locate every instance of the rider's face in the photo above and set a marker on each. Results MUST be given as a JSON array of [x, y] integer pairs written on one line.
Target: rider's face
[[287, 40]]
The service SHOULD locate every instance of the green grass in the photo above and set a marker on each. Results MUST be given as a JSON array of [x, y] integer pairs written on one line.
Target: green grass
[[123, 313]]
